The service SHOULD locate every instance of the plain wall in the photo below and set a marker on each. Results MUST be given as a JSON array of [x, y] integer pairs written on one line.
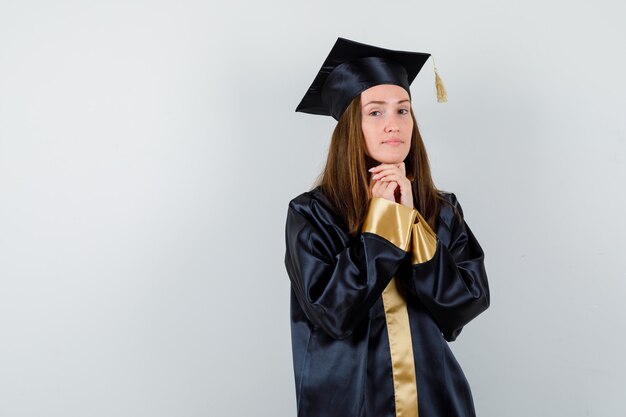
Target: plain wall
[[149, 149]]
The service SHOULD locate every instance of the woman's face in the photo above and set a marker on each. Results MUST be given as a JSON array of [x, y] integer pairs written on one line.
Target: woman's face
[[386, 122]]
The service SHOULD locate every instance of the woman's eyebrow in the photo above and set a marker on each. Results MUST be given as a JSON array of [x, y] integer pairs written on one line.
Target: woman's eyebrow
[[383, 102]]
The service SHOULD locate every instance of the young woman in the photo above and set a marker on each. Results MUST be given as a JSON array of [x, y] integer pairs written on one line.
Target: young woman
[[384, 269]]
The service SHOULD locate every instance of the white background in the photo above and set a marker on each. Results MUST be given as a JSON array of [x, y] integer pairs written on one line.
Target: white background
[[149, 149]]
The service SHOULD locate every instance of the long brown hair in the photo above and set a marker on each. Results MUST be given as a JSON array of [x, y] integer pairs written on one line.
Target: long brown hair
[[345, 179]]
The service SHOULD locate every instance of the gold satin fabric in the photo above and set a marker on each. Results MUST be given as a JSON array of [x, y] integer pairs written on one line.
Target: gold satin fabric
[[407, 230], [390, 220], [401, 349], [423, 241]]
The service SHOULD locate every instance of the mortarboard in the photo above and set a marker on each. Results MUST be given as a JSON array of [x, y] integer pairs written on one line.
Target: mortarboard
[[352, 67]]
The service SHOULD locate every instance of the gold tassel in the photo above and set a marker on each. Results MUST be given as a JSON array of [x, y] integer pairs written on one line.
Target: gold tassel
[[442, 95]]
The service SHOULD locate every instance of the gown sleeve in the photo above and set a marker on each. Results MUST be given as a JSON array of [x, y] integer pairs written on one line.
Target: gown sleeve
[[337, 279], [449, 280]]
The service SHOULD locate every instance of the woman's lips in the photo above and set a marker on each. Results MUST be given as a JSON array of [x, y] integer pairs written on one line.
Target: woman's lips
[[393, 142]]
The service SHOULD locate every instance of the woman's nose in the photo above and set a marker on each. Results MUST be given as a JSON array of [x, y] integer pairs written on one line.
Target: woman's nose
[[391, 124]]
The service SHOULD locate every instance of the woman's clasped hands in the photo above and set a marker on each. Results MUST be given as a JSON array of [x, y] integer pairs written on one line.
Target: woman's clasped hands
[[389, 181]]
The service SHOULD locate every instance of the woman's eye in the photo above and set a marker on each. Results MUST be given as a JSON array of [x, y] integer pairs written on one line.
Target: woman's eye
[[375, 111], [404, 111]]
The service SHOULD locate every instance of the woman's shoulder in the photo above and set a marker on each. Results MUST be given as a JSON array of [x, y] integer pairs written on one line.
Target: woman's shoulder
[[314, 204], [305, 198], [451, 209], [311, 213], [314, 200], [315, 207], [448, 197]]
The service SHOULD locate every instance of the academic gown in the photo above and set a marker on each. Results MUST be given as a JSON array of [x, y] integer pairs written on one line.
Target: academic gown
[[371, 315]]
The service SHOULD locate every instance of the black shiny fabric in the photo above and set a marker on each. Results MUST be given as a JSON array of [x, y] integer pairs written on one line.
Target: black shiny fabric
[[341, 357], [349, 79]]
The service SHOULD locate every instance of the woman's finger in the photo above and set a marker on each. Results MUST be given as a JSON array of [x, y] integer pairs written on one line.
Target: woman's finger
[[383, 190], [373, 186], [403, 182], [402, 167], [376, 189], [389, 192], [382, 166], [380, 174], [393, 177]]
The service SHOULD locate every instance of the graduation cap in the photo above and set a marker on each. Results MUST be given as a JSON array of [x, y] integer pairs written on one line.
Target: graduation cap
[[352, 67]]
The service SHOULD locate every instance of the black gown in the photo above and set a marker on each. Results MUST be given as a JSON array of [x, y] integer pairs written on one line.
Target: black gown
[[371, 315]]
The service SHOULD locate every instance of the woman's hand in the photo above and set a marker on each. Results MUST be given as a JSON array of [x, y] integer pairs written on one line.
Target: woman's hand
[[387, 178]]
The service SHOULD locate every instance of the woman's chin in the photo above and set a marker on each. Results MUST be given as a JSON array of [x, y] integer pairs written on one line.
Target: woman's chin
[[386, 159], [391, 157], [389, 160]]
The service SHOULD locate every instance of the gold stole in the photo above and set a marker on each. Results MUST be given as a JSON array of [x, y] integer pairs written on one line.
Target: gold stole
[[406, 229]]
